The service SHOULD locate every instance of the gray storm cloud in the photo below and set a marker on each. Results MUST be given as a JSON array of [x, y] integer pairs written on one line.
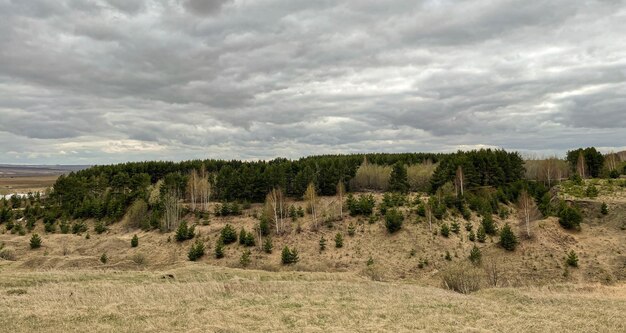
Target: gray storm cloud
[[111, 80]]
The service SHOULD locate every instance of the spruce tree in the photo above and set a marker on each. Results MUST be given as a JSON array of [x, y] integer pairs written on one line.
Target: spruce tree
[[393, 220], [181, 232], [399, 182], [471, 236], [104, 258], [475, 255], [488, 225], [134, 242], [338, 240], [35, 241], [219, 248], [455, 228], [242, 236], [351, 230], [288, 256], [100, 227], [196, 251], [445, 230], [267, 245], [322, 244], [572, 259], [245, 258], [508, 240], [481, 235], [228, 235]]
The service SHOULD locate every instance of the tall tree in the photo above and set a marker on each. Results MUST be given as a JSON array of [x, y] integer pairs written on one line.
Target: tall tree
[[172, 210], [580, 165], [310, 196], [276, 203], [459, 180], [341, 190], [399, 181], [192, 188], [528, 211]]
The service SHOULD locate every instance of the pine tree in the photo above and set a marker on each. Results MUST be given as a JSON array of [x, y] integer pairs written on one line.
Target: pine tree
[[242, 236], [245, 258], [351, 230], [35, 241], [604, 209], [182, 231], [398, 182], [228, 234], [338, 240], [288, 256], [219, 248], [134, 242], [196, 251], [488, 224], [481, 235], [322, 244], [100, 227], [455, 228], [471, 236], [268, 246], [104, 258], [475, 255], [572, 259], [445, 230], [393, 220], [508, 240]]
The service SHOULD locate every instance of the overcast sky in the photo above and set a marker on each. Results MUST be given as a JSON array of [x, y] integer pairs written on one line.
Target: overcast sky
[[85, 82]]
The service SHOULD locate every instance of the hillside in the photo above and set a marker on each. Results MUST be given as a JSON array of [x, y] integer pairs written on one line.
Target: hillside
[[600, 245]]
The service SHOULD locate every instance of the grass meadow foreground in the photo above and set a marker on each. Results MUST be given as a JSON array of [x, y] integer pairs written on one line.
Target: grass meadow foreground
[[203, 298]]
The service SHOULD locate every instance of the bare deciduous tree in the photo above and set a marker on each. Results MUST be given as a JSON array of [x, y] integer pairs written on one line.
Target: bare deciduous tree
[[580, 165], [459, 180], [341, 190], [528, 211], [429, 214], [548, 170], [199, 189], [275, 203], [192, 188], [310, 196], [172, 210], [611, 161]]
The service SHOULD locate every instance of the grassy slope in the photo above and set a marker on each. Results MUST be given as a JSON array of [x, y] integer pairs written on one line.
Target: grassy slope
[[601, 247], [203, 298], [64, 287]]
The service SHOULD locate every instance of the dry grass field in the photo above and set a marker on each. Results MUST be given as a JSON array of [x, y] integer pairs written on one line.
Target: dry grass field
[[63, 286], [9, 185], [203, 298]]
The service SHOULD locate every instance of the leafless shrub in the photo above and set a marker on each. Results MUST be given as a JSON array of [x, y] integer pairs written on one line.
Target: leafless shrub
[[8, 254], [463, 278]]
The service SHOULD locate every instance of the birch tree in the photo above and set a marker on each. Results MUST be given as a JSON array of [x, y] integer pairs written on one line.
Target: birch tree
[[341, 191], [311, 198], [172, 210], [580, 165], [459, 180], [527, 210], [275, 203], [192, 188]]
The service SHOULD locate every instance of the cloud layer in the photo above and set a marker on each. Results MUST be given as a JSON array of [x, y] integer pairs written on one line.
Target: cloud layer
[[114, 80]]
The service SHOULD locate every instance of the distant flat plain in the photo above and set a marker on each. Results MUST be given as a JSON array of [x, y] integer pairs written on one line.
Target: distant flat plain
[[31, 178]]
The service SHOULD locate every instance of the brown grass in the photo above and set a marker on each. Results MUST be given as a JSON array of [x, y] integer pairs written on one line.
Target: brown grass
[[10, 185], [204, 298]]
